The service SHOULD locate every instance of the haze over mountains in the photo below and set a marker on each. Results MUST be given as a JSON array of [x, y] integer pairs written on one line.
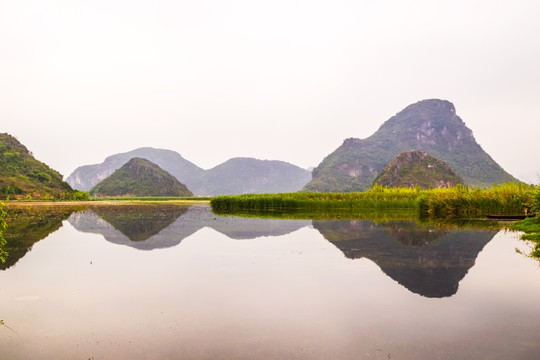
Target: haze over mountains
[[140, 177], [235, 176], [428, 125], [86, 177], [431, 126]]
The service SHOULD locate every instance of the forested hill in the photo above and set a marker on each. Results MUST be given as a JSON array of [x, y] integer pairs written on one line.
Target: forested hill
[[140, 177], [24, 177], [428, 125], [234, 176], [87, 176], [417, 168]]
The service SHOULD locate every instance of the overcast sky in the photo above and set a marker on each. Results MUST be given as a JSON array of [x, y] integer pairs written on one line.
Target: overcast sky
[[279, 80]]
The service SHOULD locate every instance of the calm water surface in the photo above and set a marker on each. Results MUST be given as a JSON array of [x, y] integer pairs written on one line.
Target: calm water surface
[[183, 283]]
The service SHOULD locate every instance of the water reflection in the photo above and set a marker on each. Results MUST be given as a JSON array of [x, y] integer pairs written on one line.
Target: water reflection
[[28, 225], [426, 260], [297, 296], [162, 227]]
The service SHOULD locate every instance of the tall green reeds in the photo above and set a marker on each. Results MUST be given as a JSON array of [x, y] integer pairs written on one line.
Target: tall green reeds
[[531, 226], [460, 201]]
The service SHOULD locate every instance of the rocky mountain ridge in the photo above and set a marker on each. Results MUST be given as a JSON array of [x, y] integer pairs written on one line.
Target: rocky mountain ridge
[[429, 125]]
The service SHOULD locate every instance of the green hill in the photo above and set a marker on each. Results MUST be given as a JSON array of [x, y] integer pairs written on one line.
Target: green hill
[[87, 176], [235, 176], [417, 168], [429, 125], [140, 177], [22, 176]]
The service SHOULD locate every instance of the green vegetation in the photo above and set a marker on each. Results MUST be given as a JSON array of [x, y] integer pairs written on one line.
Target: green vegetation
[[30, 224], [86, 177], [459, 201], [24, 177], [462, 201], [531, 226], [235, 176], [386, 199], [417, 168], [140, 177], [429, 125], [3, 242]]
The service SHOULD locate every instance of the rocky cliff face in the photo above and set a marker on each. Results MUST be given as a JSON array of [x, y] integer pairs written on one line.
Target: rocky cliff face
[[417, 168], [429, 125]]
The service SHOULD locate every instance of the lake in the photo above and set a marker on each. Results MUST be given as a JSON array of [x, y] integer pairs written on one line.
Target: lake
[[179, 282]]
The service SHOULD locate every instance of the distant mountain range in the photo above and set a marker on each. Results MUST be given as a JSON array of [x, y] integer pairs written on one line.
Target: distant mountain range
[[86, 177], [429, 125], [140, 177], [235, 176], [248, 175]]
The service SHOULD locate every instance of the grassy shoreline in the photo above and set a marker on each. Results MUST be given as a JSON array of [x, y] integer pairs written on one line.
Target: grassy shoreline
[[459, 201], [106, 202]]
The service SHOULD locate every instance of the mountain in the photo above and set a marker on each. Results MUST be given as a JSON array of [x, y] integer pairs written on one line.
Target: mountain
[[235, 176], [86, 177], [417, 168], [22, 175], [140, 177], [248, 175], [428, 125]]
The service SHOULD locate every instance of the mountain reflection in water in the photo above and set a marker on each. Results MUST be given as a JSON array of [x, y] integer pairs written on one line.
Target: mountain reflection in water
[[160, 228], [426, 260], [28, 225]]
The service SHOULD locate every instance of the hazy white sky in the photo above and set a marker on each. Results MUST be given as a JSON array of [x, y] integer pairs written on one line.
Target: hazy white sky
[[281, 80]]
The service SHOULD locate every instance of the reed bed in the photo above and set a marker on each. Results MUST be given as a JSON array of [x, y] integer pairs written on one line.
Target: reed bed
[[459, 201]]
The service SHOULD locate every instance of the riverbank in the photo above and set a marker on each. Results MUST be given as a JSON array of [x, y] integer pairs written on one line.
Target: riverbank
[[109, 202]]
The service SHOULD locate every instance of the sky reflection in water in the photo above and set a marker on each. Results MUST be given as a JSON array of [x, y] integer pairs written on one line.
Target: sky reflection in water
[[227, 287]]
